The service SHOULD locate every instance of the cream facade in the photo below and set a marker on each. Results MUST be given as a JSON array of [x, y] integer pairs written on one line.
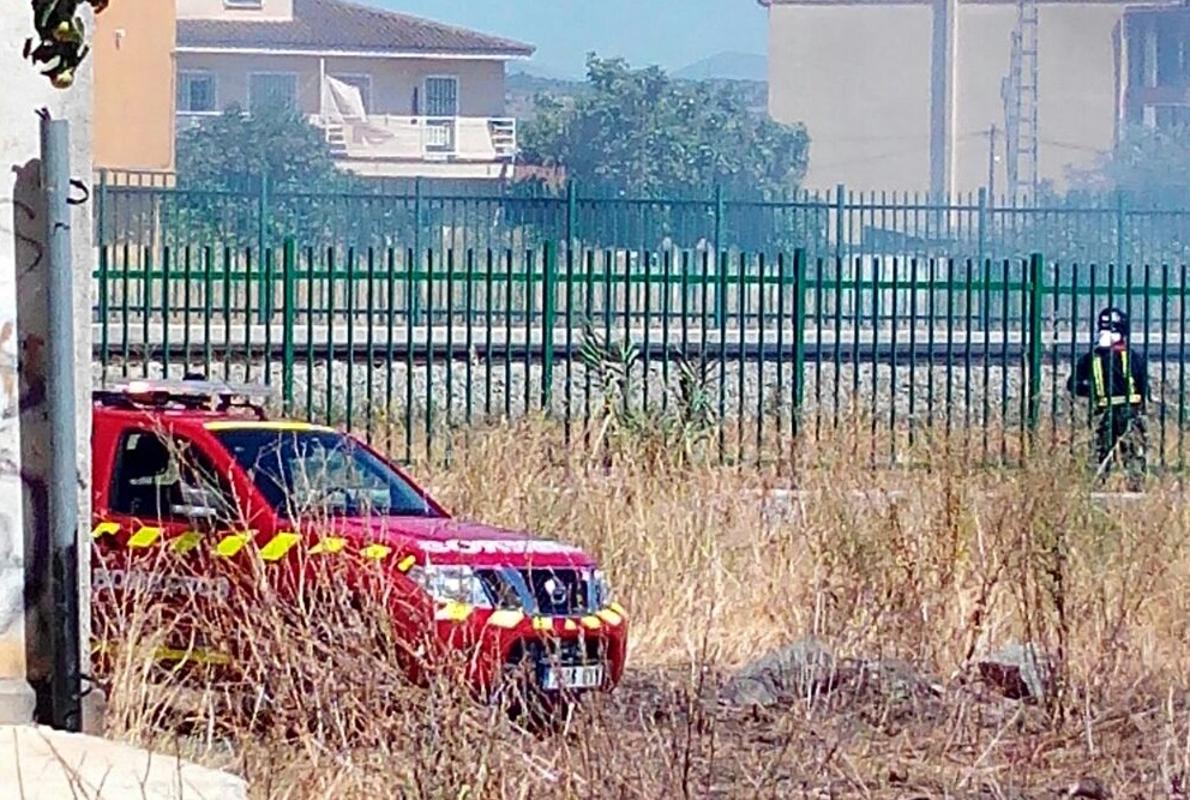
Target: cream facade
[[859, 75], [242, 10], [389, 86]]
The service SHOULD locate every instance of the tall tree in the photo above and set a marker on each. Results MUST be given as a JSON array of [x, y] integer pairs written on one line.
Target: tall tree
[[232, 149], [1152, 165], [639, 132], [221, 163]]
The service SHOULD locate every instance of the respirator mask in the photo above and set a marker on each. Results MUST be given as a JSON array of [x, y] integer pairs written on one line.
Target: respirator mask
[[1108, 340], [1113, 328]]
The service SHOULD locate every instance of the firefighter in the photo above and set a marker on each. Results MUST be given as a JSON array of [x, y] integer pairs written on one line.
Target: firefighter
[[1115, 380]]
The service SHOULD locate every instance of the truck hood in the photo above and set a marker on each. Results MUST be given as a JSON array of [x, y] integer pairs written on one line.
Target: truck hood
[[443, 540]]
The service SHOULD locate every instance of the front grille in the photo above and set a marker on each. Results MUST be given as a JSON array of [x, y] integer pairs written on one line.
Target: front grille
[[549, 592], [560, 653], [557, 591]]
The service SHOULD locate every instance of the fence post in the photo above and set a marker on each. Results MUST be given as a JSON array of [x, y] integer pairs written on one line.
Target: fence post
[[101, 203], [1120, 222], [1035, 341], [841, 264], [289, 282], [982, 223], [265, 289], [548, 312], [571, 215], [104, 273], [799, 336], [840, 224], [720, 262], [415, 295]]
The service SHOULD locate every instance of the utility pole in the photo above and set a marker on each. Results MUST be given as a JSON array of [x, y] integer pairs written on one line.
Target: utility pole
[[942, 97], [65, 681]]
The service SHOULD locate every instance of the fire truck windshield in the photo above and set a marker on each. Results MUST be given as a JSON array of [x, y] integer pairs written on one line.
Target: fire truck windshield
[[311, 472]]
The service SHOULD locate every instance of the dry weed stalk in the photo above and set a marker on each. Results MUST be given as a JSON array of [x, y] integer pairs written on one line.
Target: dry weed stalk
[[929, 569]]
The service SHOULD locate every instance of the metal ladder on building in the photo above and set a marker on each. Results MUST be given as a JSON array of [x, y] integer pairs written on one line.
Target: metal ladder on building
[[1020, 94]]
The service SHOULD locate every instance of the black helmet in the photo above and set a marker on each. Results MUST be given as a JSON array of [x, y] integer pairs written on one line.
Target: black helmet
[[1114, 320]]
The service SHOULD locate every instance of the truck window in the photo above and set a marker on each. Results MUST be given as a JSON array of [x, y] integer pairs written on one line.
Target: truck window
[[321, 472], [167, 478]]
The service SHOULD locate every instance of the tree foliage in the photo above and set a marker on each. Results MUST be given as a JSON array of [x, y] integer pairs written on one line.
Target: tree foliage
[[233, 150], [221, 163], [1149, 166], [639, 132]]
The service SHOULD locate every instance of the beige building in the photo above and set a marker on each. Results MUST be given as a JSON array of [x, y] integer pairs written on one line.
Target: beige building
[[904, 94], [397, 96], [133, 51]]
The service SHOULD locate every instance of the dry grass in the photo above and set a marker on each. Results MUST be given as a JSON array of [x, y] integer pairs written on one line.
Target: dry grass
[[961, 562]]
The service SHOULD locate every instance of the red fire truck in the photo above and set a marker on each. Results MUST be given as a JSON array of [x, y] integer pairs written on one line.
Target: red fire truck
[[196, 488]]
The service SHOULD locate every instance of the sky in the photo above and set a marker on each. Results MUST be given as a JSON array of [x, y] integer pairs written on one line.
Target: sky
[[671, 33]]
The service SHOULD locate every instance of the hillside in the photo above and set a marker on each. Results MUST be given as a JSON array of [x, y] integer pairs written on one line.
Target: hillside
[[727, 66]]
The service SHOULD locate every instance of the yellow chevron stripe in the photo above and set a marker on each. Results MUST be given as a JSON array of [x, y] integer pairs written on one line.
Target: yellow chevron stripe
[[186, 542], [278, 546], [609, 616], [453, 612], [376, 551], [570, 625], [506, 618], [230, 545], [619, 609], [147, 536], [592, 622], [543, 624], [331, 544], [105, 529]]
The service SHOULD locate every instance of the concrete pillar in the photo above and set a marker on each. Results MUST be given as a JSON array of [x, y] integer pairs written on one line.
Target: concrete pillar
[[942, 96], [1149, 45], [24, 441]]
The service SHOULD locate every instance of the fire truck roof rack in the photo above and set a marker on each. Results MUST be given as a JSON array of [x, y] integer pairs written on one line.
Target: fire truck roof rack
[[193, 394]]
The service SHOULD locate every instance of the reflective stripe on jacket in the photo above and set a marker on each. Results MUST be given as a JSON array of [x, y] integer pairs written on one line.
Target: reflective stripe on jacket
[[1104, 398]]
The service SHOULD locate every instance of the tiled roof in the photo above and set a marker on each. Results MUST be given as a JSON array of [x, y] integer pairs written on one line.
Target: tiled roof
[[340, 25]]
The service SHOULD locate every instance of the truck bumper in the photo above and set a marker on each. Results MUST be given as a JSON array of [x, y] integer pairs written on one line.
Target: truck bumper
[[501, 643]]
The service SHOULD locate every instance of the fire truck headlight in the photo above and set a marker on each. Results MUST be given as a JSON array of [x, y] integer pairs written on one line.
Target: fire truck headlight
[[451, 584], [601, 589]]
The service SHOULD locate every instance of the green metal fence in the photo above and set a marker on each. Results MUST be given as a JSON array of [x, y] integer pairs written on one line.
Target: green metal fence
[[838, 223], [787, 348]]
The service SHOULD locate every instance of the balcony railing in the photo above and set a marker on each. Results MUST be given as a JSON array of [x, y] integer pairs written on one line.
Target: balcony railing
[[404, 138], [391, 137], [184, 120]]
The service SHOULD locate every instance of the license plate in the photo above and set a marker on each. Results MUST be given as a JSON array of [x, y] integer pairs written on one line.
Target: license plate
[[589, 677]]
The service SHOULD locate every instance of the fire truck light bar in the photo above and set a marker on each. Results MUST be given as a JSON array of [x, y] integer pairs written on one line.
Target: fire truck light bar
[[190, 388]]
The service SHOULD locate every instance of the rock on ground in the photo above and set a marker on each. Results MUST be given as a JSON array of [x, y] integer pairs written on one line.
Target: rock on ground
[[1017, 671], [38, 763], [803, 669]]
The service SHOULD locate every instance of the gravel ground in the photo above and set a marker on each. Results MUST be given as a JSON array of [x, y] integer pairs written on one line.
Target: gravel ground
[[894, 395]]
